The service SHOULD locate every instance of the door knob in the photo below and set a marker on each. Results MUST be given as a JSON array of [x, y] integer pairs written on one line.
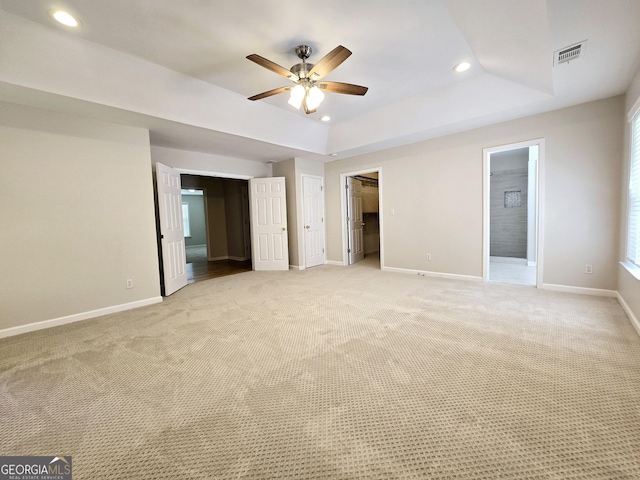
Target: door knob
[[283, 229], [307, 226]]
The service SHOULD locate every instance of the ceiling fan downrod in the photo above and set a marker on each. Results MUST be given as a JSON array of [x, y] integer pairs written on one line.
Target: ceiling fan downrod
[[301, 69]]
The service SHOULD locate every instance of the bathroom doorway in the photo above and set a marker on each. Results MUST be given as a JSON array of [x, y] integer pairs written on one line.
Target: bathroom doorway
[[512, 214]]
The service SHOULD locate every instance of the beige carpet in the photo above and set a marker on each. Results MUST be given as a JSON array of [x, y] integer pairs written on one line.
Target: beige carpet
[[333, 372]]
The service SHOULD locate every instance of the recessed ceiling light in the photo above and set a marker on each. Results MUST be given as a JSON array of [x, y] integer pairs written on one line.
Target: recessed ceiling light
[[326, 118], [65, 18], [462, 67]]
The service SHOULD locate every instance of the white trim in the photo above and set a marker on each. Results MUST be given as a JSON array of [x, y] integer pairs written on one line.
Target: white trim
[[296, 267], [205, 173], [334, 262], [422, 273], [343, 217], [486, 153], [598, 292], [634, 320], [634, 110], [228, 257], [55, 322], [633, 269], [532, 264]]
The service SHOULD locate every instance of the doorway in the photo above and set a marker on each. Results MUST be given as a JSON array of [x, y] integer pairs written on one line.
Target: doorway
[[362, 219], [216, 226], [512, 213]]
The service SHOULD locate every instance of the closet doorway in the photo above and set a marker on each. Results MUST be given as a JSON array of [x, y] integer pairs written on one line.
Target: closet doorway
[[362, 238]]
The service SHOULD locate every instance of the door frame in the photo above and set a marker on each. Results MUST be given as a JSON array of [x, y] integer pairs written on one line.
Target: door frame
[[343, 203], [324, 224], [486, 203]]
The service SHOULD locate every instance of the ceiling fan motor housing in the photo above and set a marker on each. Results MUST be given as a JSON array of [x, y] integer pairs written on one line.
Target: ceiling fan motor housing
[[301, 69]]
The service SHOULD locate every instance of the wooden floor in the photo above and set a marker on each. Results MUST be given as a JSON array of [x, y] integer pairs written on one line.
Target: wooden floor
[[199, 270]]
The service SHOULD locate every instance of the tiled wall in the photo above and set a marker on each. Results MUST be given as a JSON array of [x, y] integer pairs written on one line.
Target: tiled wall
[[509, 225]]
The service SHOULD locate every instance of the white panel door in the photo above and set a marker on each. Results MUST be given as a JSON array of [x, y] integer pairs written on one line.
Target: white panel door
[[313, 197], [174, 264], [355, 220], [269, 236]]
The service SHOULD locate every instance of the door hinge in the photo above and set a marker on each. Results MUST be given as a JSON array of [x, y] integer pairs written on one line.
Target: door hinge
[[321, 188], [347, 187], [323, 250], [347, 219], [348, 250]]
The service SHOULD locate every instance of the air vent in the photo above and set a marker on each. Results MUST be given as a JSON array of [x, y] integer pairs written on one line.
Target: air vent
[[567, 54]]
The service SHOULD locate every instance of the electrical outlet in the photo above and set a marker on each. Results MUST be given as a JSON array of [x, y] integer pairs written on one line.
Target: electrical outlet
[[129, 283], [588, 269], [428, 256]]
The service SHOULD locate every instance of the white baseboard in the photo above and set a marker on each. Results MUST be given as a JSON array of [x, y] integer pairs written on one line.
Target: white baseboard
[[450, 276], [532, 264], [295, 267], [55, 322], [598, 292], [634, 320], [333, 262], [227, 257]]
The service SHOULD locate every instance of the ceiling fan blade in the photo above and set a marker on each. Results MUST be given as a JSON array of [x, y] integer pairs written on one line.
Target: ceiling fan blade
[[270, 93], [329, 62], [274, 67], [339, 87]]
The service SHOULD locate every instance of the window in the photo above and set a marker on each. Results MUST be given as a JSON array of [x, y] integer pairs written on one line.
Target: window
[[633, 225], [185, 220]]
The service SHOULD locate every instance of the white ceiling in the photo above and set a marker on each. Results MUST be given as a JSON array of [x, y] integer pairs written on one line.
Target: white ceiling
[[404, 51]]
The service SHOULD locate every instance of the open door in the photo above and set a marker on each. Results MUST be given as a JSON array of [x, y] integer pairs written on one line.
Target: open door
[[313, 221], [269, 242], [174, 265], [355, 220]]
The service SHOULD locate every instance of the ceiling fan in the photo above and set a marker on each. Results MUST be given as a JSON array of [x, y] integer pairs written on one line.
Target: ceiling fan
[[308, 90]]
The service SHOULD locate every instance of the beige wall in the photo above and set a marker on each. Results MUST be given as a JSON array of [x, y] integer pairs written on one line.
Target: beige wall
[[85, 222], [198, 163], [435, 189], [628, 285]]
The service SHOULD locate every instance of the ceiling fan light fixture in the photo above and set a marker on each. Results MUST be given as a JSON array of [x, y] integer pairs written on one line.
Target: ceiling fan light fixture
[[462, 67], [297, 95], [314, 98]]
